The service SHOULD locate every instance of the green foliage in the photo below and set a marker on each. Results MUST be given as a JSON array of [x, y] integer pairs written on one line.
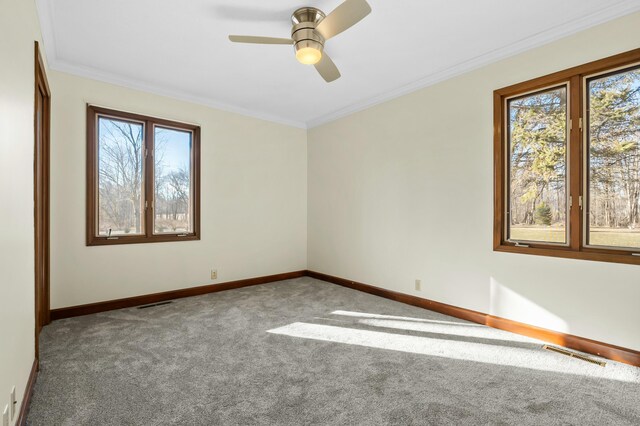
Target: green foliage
[[538, 136], [614, 153], [538, 156], [543, 214]]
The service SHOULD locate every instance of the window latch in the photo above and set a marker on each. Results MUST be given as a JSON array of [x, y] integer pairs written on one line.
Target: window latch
[[579, 201]]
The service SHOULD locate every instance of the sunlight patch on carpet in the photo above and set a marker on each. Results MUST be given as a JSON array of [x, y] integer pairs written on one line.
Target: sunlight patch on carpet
[[395, 317], [455, 349]]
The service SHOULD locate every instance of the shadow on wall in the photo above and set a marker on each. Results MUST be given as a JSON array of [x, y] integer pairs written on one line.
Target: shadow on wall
[[506, 303]]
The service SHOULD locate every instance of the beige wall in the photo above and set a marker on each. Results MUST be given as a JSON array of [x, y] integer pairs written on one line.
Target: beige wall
[[403, 191], [253, 214], [18, 30], [372, 181]]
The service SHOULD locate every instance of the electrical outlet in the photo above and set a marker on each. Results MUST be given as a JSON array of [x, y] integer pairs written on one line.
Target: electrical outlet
[[214, 274], [5, 416], [418, 285], [13, 402]]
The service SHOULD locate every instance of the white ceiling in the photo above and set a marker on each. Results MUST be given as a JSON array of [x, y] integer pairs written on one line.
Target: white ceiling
[[180, 48]]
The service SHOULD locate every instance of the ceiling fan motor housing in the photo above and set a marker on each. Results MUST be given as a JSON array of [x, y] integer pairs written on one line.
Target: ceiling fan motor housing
[[304, 32]]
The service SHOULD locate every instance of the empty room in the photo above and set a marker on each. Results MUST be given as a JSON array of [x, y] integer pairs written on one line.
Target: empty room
[[329, 212]]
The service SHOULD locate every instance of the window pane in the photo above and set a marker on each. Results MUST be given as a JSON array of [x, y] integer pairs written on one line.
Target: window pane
[[120, 162], [614, 160], [537, 144], [173, 201]]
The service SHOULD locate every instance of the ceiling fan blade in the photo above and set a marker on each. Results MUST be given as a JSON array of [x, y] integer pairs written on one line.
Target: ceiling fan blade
[[327, 69], [259, 40], [343, 17]]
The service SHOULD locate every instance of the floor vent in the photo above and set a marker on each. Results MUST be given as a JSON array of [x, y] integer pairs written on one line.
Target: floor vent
[[574, 355], [153, 305]]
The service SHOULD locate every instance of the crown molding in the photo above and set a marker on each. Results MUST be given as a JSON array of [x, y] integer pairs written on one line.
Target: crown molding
[[606, 14], [94, 74], [46, 13]]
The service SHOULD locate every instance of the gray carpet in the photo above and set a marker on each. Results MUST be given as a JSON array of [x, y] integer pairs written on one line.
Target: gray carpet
[[308, 352]]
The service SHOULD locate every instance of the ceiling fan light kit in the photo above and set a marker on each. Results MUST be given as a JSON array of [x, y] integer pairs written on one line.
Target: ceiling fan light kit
[[311, 28], [310, 54], [308, 43]]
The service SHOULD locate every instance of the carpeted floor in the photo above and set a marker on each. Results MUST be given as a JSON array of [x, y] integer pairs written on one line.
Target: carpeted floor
[[303, 352]]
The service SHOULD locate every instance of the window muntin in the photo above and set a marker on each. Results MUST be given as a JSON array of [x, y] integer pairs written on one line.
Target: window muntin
[[537, 156], [173, 198], [120, 177], [612, 140]]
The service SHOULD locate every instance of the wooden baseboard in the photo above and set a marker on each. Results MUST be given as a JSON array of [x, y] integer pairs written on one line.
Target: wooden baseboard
[[605, 350], [92, 308], [26, 398]]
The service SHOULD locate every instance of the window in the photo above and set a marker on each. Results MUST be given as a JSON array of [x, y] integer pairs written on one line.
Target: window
[[567, 163], [613, 145], [537, 152], [143, 179]]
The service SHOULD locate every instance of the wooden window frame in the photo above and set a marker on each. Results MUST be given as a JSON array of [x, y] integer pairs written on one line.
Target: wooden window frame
[[93, 112], [576, 78]]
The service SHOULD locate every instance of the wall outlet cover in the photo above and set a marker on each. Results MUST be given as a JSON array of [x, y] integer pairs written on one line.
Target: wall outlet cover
[[214, 274], [418, 285]]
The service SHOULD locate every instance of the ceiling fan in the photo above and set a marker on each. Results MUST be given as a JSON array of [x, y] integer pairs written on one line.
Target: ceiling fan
[[311, 29]]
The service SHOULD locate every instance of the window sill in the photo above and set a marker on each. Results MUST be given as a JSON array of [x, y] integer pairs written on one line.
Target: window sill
[[584, 254], [140, 239]]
